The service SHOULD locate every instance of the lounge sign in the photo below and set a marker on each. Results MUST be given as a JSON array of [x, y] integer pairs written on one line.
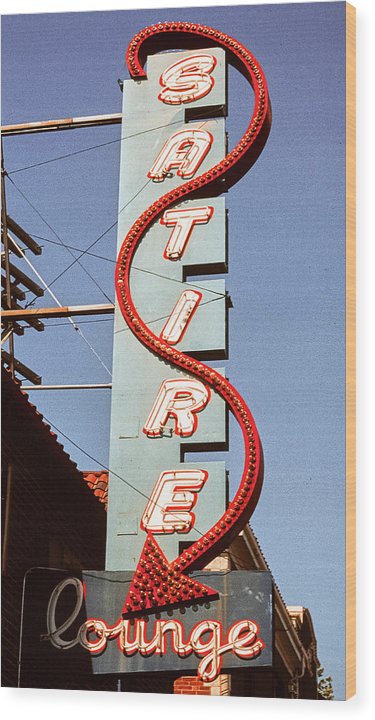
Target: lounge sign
[[74, 635]]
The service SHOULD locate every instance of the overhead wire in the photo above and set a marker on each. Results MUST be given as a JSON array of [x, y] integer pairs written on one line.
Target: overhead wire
[[134, 267], [80, 322], [100, 236], [75, 325], [57, 301], [104, 467], [149, 322], [99, 145], [123, 208], [133, 487], [92, 147], [165, 317], [165, 277], [58, 238], [86, 251], [72, 247], [122, 479]]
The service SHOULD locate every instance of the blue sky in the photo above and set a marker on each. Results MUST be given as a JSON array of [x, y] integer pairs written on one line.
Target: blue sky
[[287, 262]]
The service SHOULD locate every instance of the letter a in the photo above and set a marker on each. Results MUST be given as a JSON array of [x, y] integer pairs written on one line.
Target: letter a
[[185, 151], [181, 399]]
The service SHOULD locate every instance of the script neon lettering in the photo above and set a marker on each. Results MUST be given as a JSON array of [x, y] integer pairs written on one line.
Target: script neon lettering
[[54, 633], [243, 636], [206, 639]]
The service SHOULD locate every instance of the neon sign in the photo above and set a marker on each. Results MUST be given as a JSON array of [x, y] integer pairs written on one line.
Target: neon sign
[[180, 399], [185, 153], [206, 639], [174, 329], [183, 401]]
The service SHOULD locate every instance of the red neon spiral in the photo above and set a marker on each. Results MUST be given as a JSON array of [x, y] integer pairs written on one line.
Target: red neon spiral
[[244, 502]]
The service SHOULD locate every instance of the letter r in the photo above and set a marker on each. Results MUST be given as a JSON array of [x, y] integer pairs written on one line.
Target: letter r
[[182, 399]]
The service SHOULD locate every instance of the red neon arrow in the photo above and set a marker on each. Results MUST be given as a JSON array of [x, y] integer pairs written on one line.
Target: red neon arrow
[[158, 585]]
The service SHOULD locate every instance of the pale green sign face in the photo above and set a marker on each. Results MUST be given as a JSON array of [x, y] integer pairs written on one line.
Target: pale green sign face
[[151, 487]]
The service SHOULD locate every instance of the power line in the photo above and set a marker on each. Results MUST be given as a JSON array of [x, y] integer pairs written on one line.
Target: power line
[[165, 277], [149, 322], [92, 147], [74, 325], [108, 229], [93, 350], [99, 145], [72, 247], [134, 267], [100, 236], [104, 467], [220, 295], [59, 239], [119, 477], [165, 317], [80, 322], [105, 232]]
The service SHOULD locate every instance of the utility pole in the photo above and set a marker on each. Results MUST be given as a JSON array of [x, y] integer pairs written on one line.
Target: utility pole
[[8, 293], [13, 312], [9, 333], [57, 312], [61, 124]]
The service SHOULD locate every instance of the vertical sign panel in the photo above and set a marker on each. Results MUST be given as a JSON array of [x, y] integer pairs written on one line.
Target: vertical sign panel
[[158, 411]]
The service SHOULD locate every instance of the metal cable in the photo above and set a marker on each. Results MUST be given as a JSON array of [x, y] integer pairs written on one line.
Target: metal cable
[[57, 301], [92, 147], [107, 469], [149, 322], [60, 241], [134, 267], [99, 145], [100, 236]]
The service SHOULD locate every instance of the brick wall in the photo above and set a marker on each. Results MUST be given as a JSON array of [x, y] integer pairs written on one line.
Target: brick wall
[[192, 685]]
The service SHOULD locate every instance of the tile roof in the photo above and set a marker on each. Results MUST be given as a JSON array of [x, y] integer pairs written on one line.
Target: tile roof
[[12, 389], [17, 397], [97, 481]]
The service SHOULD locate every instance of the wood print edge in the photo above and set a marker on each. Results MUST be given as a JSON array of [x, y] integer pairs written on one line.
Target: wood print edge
[[350, 352]]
